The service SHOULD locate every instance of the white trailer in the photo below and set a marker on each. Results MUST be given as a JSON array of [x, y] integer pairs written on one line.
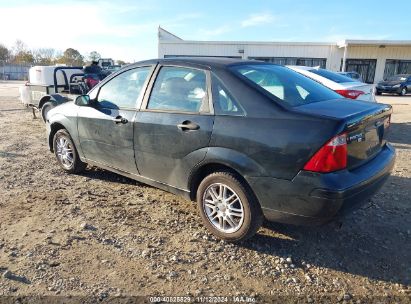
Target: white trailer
[[49, 86]]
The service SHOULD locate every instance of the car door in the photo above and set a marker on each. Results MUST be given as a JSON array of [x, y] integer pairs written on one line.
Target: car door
[[173, 127], [106, 126]]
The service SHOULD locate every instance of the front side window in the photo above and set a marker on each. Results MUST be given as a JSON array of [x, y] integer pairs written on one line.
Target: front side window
[[287, 86], [124, 90], [179, 89]]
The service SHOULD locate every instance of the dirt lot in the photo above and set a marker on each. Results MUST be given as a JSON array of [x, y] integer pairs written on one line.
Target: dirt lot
[[99, 234]]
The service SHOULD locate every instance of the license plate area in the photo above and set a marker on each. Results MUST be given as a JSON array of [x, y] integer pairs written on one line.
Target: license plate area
[[364, 143]]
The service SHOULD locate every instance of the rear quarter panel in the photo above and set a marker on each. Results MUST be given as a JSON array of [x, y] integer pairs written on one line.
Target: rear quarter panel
[[276, 147]]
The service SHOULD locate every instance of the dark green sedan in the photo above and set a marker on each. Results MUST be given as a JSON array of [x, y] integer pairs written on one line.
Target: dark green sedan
[[247, 140]]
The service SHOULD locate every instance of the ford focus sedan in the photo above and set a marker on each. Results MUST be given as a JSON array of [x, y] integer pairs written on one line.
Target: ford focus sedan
[[246, 140]]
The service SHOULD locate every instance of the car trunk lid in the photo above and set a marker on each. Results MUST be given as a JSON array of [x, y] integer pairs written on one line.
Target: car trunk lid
[[365, 125], [367, 89]]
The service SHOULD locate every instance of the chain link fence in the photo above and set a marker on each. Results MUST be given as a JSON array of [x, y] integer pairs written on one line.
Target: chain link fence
[[14, 71]]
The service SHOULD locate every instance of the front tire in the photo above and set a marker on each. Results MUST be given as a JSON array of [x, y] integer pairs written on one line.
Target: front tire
[[66, 152], [403, 91], [228, 207], [45, 109]]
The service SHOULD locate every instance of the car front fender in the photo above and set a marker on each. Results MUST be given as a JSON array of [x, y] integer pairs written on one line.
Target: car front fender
[[57, 121], [55, 99]]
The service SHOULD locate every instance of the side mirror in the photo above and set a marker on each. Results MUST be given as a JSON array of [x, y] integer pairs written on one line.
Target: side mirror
[[83, 100]]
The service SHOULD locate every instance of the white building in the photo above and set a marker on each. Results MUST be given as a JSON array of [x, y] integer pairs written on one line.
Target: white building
[[373, 59]]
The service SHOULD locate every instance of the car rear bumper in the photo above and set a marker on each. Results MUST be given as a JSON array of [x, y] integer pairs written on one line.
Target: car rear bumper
[[366, 97], [314, 198]]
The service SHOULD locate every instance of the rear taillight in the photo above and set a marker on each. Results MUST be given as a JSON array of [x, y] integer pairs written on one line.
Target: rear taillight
[[331, 157], [353, 94]]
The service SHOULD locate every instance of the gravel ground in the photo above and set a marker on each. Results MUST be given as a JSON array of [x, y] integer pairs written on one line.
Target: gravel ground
[[102, 235]]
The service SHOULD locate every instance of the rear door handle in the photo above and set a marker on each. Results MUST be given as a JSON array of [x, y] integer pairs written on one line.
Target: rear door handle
[[188, 126], [119, 120]]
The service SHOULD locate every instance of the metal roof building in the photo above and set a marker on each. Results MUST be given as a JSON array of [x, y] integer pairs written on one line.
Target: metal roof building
[[373, 59]]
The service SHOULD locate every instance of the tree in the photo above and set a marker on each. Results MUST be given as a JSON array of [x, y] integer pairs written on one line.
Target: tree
[[21, 54], [94, 56], [44, 56], [121, 62], [19, 47], [24, 57], [4, 53], [71, 57]]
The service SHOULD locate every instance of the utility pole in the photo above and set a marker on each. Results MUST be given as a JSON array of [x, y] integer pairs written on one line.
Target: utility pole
[[344, 57]]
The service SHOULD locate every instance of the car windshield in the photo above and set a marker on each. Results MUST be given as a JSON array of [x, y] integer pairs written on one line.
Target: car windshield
[[338, 78], [396, 78], [286, 85]]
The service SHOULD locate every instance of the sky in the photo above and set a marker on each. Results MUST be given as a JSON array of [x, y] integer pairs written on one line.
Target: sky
[[127, 29]]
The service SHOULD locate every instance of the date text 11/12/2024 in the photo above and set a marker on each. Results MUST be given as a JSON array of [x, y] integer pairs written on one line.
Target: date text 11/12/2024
[[202, 299]]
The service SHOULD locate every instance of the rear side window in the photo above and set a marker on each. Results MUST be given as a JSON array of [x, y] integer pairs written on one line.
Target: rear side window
[[338, 78], [285, 85], [179, 89], [224, 103]]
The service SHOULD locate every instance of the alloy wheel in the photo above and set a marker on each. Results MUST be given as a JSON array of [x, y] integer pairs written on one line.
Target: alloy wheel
[[223, 208], [64, 152]]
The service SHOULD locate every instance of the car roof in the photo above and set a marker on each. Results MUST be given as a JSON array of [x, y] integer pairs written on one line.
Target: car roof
[[210, 62], [303, 67]]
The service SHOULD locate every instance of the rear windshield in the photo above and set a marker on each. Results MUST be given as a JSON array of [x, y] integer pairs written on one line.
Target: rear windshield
[[286, 85], [397, 78], [332, 76], [350, 74]]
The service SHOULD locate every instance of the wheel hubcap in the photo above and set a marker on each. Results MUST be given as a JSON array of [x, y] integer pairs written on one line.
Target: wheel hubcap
[[64, 152], [223, 208]]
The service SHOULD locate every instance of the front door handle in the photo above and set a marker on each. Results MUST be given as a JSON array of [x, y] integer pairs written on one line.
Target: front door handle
[[188, 126], [119, 120]]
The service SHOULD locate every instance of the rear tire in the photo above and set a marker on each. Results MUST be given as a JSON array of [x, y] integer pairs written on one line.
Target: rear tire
[[66, 152], [403, 91], [45, 109], [378, 92], [228, 207]]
